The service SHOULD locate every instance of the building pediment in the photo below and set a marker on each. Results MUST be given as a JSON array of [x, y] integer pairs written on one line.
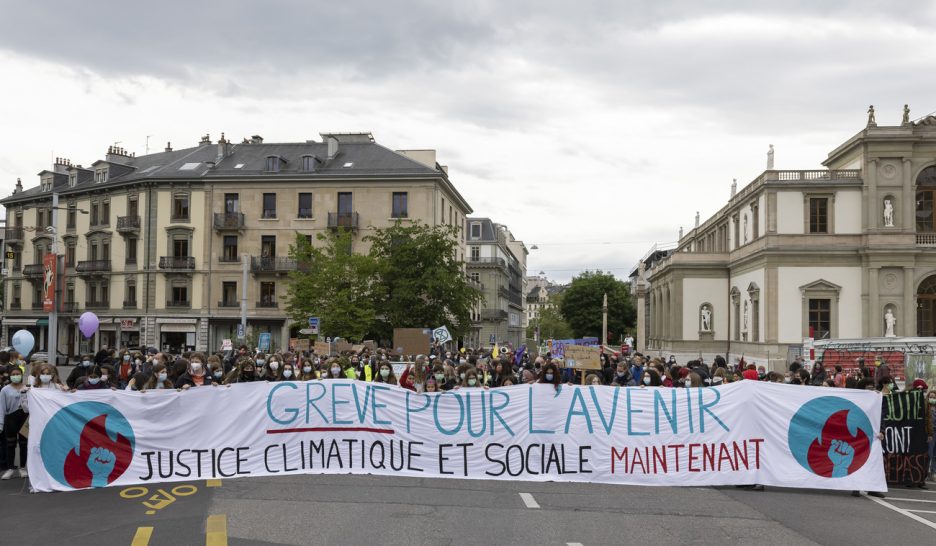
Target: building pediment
[[820, 285]]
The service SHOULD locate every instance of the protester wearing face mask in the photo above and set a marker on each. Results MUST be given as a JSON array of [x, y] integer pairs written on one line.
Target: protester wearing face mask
[[159, 379], [307, 370], [12, 419], [196, 374], [274, 368], [622, 376], [651, 378], [443, 381], [45, 376], [79, 371], [244, 372], [126, 368], [593, 380], [333, 370], [385, 374], [472, 379], [550, 374], [92, 381], [289, 373]]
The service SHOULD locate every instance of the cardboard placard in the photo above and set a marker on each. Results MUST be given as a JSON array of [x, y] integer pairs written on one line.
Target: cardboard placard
[[322, 348], [303, 344], [582, 357], [411, 341], [357, 348], [370, 345], [342, 346]]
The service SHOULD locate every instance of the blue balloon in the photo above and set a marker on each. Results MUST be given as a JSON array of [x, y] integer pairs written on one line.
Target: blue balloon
[[23, 342]]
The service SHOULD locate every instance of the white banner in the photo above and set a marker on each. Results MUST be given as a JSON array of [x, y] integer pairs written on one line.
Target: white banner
[[742, 433]]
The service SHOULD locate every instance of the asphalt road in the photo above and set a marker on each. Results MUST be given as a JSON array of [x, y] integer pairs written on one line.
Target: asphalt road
[[341, 509]]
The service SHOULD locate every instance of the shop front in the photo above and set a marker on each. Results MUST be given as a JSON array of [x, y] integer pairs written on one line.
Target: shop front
[[177, 335]]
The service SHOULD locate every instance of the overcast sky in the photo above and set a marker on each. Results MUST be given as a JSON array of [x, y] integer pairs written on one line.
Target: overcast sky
[[591, 128]]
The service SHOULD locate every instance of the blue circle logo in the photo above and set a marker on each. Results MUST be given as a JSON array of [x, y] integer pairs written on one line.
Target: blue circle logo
[[830, 437], [88, 444]]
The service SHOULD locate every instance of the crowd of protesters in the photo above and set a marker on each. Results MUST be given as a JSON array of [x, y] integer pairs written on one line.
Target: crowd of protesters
[[440, 370]]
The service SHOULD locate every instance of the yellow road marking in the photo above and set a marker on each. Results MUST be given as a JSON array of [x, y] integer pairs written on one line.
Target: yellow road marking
[[212, 483], [142, 536], [216, 530]]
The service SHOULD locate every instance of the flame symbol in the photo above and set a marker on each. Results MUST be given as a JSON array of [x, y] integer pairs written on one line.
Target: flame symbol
[[836, 428], [94, 435]]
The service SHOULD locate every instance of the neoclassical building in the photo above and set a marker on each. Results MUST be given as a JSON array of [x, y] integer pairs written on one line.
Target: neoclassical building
[[841, 253]]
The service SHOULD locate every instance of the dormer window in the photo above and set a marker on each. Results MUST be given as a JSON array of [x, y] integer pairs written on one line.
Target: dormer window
[[272, 164], [46, 185], [100, 175], [308, 163], [72, 179]]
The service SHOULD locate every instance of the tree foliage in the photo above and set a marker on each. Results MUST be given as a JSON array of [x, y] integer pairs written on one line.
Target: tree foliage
[[550, 322], [419, 281], [582, 300], [333, 284]]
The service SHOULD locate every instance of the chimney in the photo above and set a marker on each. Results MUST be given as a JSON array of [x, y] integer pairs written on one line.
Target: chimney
[[224, 149], [168, 147], [61, 165], [116, 154], [734, 186], [332, 146], [256, 139], [205, 139], [19, 186]]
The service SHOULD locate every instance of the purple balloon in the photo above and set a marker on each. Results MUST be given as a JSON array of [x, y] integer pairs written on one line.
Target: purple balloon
[[88, 324]]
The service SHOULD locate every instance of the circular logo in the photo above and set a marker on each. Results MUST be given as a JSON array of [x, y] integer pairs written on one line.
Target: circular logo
[[830, 437], [87, 444]]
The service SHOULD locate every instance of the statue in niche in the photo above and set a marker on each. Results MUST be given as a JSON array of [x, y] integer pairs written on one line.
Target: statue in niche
[[888, 213], [890, 321], [745, 316], [706, 315]]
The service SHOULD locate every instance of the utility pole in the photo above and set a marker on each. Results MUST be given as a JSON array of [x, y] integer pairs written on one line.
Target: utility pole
[[245, 262], [53, 314], [604, 322]]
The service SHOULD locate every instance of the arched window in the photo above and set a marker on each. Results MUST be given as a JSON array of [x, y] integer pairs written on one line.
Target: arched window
[[925, 197]]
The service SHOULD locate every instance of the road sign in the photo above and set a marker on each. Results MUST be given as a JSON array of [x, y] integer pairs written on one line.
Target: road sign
[[240, 331], [314, 325]]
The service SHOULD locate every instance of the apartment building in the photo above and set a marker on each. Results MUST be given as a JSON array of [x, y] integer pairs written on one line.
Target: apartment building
[[496, 262], [158, 245]]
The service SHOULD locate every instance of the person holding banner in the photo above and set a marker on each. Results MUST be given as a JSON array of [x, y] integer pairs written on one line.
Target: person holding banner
[[307, 371], [244, 372], [194, 375], [550, 374], [12, 419], [385, 374]]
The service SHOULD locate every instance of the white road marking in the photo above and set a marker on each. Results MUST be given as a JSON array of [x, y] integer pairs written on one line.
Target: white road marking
[[529, 501], [907, 513], [910, 500], [923, 511], [573, 544]]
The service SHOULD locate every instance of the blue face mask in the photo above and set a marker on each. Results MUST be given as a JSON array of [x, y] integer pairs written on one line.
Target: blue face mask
[[549, 377]]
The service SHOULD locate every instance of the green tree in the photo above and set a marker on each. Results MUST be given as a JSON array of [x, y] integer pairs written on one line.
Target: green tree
[[582, 300], [551, 324], [333, 284], [419, 281]]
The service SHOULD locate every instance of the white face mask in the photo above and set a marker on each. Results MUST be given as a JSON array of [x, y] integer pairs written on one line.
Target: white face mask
[[196, 367], [646, 380], [94, 380], [45, 378], [287, 373], [274, 365], [385, 373], [306, 369], [260, 362], [138, 362], [217, 374], [336, 370], [85, 362], [549, 377], [104, 378], [162, 376], [126, 358]]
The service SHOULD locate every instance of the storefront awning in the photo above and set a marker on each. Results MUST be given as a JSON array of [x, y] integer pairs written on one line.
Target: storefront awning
[[22, 321], [42, 322]]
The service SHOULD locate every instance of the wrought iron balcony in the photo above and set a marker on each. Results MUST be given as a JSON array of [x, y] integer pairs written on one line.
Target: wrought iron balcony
[[499, 262], [37, 306], [32, 271], [130, 304], [267, 304], [128, 224], [178, 304], [229, 220], [185, 263], [229, 303], [13, 234], [97, 304], [347, 220], [272, 265], [496, 315], [71, 307], [93, 266]]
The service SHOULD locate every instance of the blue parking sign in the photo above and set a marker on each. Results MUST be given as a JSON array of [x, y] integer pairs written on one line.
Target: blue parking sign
[[314, 325]]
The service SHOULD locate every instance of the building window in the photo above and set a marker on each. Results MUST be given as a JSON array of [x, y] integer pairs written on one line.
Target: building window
[[105, 293], [229, 250], [92, 293], [818, 215], [400, 207], [305, 205], [70, 294], [228, 294], [755, 221], [475, 277], [820, 317], [94, 214], [443, 210], [133, 206], [475, 230], [180, 247], [105, 213], [267, 294], [71, 216], [269, 205], [93, 252], [268, 246], [131, 250], [180, 206], [231, 203], [105, 250], [180, 295], [70, 255], [272, 164], [926, 191], [72, 179], [131, 300], [17, 295], [308, 163], [475, 253]]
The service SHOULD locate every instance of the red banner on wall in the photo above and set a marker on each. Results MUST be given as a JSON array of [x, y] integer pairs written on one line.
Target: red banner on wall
[[48, 282]]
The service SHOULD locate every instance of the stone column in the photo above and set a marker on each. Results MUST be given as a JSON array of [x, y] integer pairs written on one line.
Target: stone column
[[871, 196], [908, 328], [876, 319], [908, 211]]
